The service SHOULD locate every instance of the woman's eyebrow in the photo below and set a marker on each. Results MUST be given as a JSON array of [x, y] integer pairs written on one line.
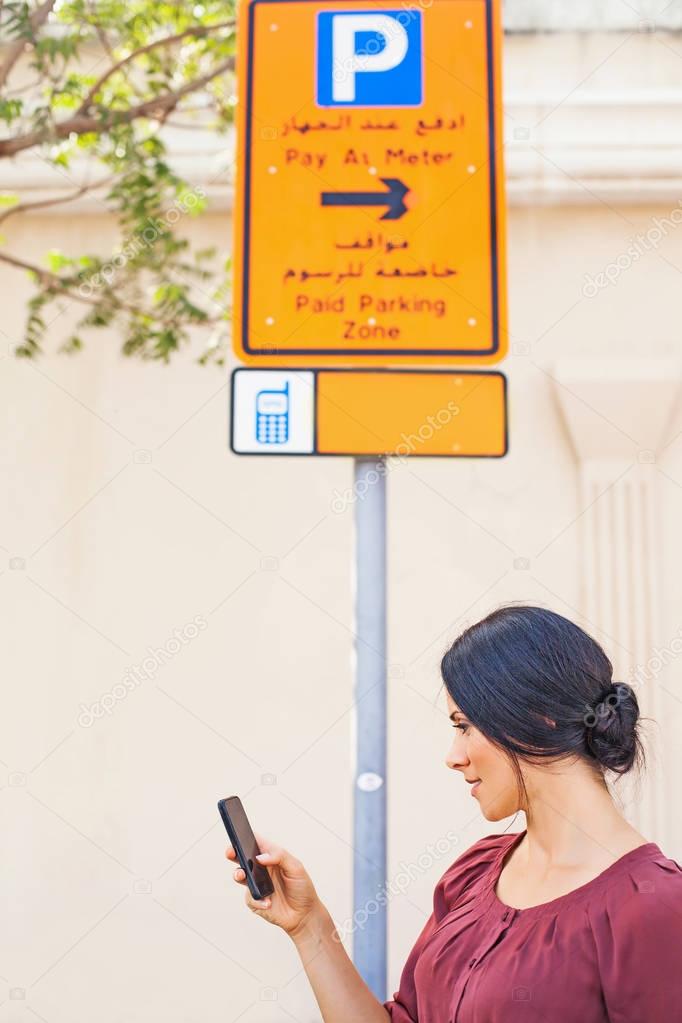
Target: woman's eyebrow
[[455, 713]]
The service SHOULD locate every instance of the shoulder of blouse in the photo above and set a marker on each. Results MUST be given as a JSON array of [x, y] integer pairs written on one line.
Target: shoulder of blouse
[[469, 872], [647, 891], [636, 928]]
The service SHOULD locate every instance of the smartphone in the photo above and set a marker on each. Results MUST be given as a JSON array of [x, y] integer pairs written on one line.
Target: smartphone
[[245, 845]]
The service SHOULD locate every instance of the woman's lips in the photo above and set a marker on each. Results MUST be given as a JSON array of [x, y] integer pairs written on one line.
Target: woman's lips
[[474, 787]]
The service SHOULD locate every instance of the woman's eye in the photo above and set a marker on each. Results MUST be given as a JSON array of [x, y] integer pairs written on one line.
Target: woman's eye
[[462, 727]]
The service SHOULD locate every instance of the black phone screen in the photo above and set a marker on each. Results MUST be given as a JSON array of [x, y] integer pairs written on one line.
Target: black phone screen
[[245, 845]]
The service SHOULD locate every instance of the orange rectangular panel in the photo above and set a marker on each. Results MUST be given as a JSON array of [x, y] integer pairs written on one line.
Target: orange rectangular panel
[[369, 212], [402, 413]]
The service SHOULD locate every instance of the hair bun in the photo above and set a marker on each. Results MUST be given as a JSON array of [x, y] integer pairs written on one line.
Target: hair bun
[[611, 728]]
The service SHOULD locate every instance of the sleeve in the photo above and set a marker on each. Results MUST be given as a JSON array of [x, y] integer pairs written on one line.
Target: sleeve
[[640, 951], [402, 1008]]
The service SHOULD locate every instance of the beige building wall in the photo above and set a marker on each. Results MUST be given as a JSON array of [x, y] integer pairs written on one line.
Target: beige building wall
[[134, 542]]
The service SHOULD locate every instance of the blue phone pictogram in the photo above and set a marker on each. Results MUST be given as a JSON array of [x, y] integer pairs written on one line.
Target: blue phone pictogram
[[272, 416]]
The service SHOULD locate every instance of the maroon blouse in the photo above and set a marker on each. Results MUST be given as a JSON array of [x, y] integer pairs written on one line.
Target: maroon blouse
[[610, 951]]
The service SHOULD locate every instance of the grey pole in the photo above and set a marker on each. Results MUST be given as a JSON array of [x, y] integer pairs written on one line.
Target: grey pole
[[369, 776]]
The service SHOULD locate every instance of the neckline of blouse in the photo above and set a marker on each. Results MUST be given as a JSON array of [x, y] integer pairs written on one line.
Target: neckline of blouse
[[640, 852]]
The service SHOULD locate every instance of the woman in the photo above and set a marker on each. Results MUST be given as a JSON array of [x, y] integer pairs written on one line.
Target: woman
[[576, 919]]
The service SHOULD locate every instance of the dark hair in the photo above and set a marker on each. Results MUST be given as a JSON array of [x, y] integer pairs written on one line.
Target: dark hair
[[541, 689]]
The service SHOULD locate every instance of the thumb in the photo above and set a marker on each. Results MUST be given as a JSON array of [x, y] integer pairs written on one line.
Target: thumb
[[270, 857], [276, 856], [273, 853]]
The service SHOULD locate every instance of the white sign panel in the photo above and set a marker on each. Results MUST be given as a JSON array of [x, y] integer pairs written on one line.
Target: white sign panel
[[273, 412]]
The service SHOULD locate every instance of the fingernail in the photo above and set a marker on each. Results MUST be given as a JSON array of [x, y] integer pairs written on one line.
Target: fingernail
[[259, 856]]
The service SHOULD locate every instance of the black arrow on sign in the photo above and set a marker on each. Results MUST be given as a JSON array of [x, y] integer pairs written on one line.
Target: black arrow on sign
[[393, 198]]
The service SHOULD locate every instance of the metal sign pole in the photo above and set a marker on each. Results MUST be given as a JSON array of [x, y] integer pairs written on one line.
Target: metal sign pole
[[369, 805]]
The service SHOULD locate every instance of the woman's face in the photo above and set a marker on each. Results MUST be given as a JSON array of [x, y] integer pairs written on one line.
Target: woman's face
[[477, 759]]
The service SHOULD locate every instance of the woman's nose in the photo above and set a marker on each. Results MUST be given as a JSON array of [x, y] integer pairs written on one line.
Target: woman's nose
[[456, 756]]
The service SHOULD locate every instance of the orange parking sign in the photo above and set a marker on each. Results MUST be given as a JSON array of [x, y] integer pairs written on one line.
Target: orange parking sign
[[369, 216], [441, 413]]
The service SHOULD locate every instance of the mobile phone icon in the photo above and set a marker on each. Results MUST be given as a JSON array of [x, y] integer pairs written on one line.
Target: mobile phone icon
[[272, 416]]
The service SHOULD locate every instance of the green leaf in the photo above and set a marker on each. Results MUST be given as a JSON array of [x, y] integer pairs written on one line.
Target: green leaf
[[56, 260], [10, 109]]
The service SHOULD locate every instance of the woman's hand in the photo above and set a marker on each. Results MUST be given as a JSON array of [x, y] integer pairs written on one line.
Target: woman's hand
[[294, 900]]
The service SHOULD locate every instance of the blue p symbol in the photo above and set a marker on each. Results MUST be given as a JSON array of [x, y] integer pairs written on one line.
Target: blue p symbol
[[369, 59]]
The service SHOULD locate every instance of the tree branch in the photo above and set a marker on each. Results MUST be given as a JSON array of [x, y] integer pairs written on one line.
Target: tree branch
[[14, 51], [196, 30], [80, 124], [48, 279], [24, 207], [101, 34]]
